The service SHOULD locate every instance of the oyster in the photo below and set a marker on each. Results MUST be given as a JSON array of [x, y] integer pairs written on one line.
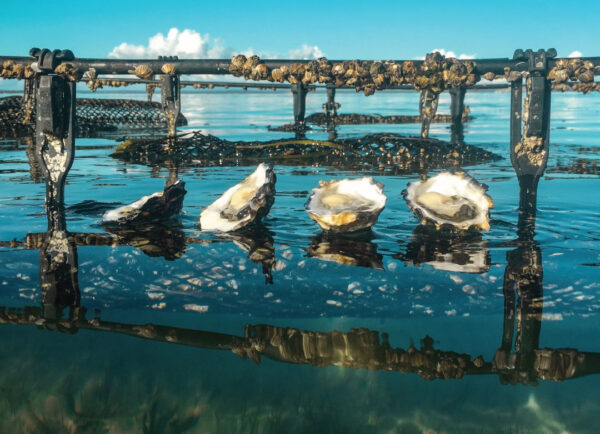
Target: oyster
[[243, 204], [157, 206], [453, 199], [347, 205]]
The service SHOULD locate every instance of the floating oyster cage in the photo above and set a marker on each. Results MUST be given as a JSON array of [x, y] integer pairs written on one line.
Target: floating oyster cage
[[94, 116]]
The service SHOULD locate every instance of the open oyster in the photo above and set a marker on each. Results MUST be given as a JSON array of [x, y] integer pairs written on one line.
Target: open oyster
[[453, 199], [347, 205], [243, 204], [157, 206]]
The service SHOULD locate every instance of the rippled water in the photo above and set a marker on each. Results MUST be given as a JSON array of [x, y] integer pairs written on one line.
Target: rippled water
[[209, 290]]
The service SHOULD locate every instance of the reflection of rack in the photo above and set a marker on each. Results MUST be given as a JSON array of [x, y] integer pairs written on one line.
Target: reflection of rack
[[358, 349]]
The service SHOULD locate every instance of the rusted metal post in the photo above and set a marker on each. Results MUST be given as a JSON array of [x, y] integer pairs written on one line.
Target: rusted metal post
[[457, 108], [428, 104], [299, 91]]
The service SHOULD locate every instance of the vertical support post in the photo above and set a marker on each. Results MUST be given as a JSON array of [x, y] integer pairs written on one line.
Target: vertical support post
[[29, 100], [299, 91], [428, 104], [330, 106], [54, 126], [150, 87], [171, 101], [523, 277], [457, 108], [516, 112], [529, 154], [55, 151]]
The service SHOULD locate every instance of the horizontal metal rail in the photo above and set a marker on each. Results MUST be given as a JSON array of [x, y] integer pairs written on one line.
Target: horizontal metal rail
[[221, 66], [271, 86]]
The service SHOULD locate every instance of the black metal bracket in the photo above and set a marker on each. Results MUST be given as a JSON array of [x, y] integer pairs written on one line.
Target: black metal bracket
[[299, 92], [529, 148], [428, 104], [47, 61], [171, 97]]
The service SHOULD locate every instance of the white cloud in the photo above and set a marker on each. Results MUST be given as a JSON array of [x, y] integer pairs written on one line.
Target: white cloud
[[575, 54], [306, 52], [189, 44], [186, 44]]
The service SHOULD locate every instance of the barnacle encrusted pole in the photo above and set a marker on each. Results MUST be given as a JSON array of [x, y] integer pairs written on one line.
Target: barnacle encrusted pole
[[55, 150], [299, 92], [170, 95], [523, 278], [330, 107], [457, 108], [529, 148], [55, 118]]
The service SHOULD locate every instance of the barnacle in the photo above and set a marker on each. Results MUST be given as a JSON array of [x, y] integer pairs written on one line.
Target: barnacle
[[143, 71], [93, 82], [68, 71], [168, 68]]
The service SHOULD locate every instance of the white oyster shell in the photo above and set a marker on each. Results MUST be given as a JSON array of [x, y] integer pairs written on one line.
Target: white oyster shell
[[160, 205], [243, 204], [453, 199], [346, 205]]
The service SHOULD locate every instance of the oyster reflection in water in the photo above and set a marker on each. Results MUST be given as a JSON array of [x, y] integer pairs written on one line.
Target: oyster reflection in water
[[348, 249]]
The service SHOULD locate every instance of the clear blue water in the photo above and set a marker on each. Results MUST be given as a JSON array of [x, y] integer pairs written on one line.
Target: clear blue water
[[102, 379]]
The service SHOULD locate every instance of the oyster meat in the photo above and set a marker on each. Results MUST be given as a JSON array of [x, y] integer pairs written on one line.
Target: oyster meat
[[453, 199], [244, 203], [347, 205], [157, 206]]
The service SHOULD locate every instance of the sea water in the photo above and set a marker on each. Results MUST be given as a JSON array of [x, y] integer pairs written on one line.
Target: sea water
[[165, 338]]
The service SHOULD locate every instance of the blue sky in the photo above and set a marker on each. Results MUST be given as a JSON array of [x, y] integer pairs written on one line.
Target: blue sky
[[351, 29]]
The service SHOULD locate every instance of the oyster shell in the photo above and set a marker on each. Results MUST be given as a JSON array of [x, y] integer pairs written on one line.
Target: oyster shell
[[453, 199], [157, 206], [347, 205], [243, 204]]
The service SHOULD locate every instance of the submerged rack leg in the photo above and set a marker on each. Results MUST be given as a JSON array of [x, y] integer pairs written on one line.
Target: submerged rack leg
[[29, 99], [428, 104], [150, 88], [299, 91], [55, 151], [457, 108], [171, 101], [330, 106]]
